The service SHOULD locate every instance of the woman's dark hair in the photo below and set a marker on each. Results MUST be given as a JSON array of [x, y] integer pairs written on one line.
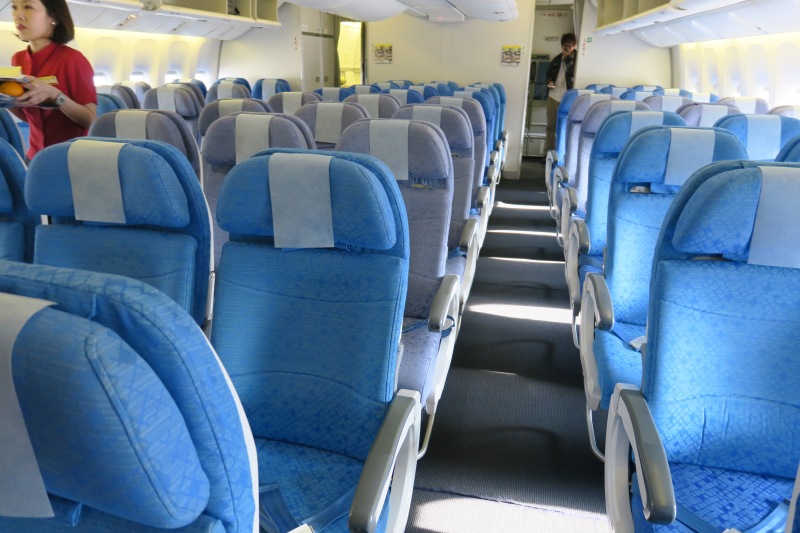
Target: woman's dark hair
[[568, 38], [64, 30]]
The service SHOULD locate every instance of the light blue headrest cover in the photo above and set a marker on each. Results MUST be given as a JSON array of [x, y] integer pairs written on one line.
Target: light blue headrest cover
[[665, 157], [361, 213], [744, 215], [147, 189]]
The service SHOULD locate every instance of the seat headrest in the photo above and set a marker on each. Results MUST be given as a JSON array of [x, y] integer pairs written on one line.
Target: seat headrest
[[329, 119], [481, 96], [377, 105], [582, 104], [749, 105], [569, 98], [762, 135], [176, 98], [131, 436], [601, 110], [416, 152], [106, 182], [745, 215], [405, 96], [227, 91], [307, 200], [222, 107], [786, 111], [424, 90], [664, 157], [473, 109], [667, 102], [619, 127], [453, 121]]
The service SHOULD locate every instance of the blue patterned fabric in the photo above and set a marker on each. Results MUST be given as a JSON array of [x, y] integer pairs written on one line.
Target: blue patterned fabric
[[179, 354], [787, 128], [100, 419], [790, 152], [17, 222], [341, 94], [10, 132], [616, 361], [182, 210], [278, 86], [723, 498], [561, 118]]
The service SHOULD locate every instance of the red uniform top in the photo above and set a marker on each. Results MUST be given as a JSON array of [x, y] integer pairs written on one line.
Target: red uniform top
[[75, 78]]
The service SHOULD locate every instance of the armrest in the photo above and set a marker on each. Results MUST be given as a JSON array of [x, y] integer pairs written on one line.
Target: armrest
[[579, 232], [483, 197], [630, 425], [562, 175], [492, 174], [498, 145], [446, 302], [550, 162], [576, 243], [569, 205], [504, 136], [494, 155], [595, 293], [468, 234], [596, 311], [391, 461]]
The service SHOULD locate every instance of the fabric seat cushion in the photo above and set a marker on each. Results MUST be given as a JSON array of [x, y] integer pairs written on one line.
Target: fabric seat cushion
[[420, 351], [309, 479], [617, 362], [724, 498], [456, 266]]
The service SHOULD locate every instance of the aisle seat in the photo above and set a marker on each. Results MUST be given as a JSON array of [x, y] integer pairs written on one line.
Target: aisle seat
[[764, 136], [377, 105], [327, 120], [289, 102]]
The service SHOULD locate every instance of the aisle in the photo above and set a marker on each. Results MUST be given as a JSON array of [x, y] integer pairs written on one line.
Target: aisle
[[509, 450]]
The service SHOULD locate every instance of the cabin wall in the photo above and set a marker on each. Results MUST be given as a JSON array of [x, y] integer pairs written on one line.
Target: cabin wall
[[550, 23], [270, 52], [464, 52], [620, 58], [767, 66]]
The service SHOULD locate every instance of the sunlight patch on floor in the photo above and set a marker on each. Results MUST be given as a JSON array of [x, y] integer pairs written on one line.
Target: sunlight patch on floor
[[521, 260], [503, 205], [452, 514], [523, 232], [525, 312]]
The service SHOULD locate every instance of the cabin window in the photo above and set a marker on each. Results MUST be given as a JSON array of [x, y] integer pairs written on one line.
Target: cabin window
[[171, 76], [203, 76], [101, 78], [138, 75]]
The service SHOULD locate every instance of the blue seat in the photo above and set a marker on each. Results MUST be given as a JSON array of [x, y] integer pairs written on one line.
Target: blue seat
[[639, 95], [334, 94], [426, 91], [614, 90], [669, 103], [221, 108], [377, 105], [14, 131], [126, 207], [575, 191], [107, 103], [567, 169], [234, 138], [490, 108], [266, 87], [235, 81], [673, 91], [307, 322], [700, 97], [226, 90], [387, 85], [200, 84], [432, 305], [364, 89], [586, 239], [557, 156], [402, 84], [715, 430], [442, 88], [786, 111], [790, 152], [648, 88], [764, 136], [17, 222], [180, 99], [406, 96], [749, 105], [126, 94], [598, 86], [654, 164], [327, 120], [130, 413]]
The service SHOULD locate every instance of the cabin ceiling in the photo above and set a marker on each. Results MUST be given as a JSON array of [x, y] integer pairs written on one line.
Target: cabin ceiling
[[433, 10]]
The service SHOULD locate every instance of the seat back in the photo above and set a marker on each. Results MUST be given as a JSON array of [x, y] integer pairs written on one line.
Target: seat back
[[652, 167], [132, 208], [610, 139], [233, 80], [107, 103], [673, 91], [637, 95], [442, 89], [427, 189], [748, 105], [701, 97], [501, 95], [614, 90], [221, 108], [10, 132], [334, 94], [386, 85], [178, 99], [594, 118], [152, 125], [705, 115], [365, 89], [478, 123], [786, 111], [667, 102], [426, 91], [227, 91], [561, 119], [17, 222], [311, 335], [490, 110], [455, 124], [647, 88], [289, 102], [577, 112], [233, 139], [122, 394], [125, 94], [327, 120], [377, 105], [725, 242], [266, 87], [598, 86], [402, 84], [764, 136], [406, 96], [201, 86], [790, 152], [139, 89], [198, 96]]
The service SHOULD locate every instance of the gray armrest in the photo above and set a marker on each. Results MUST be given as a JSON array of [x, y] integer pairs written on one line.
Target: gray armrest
[[596, 311], [494, 155], [580, 232], [630, 424], [493, 174], [391, 461], [562, 175], [569, 204], [595, 286], [504, 136], [550, 162], [498, 145], [468, 233], [470, 243], [483, 196], [446, 302], [576, 243]]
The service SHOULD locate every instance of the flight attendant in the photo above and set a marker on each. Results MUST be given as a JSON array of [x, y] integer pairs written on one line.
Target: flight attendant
[[60, 101]]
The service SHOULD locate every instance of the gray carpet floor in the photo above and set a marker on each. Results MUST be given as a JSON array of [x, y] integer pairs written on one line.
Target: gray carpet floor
[[509, 450]]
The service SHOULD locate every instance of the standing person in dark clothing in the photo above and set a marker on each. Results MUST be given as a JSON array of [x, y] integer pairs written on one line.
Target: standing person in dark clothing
[[560, 78]]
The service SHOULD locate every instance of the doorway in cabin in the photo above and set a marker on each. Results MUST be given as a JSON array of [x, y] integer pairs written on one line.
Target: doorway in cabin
[[349, 39]]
